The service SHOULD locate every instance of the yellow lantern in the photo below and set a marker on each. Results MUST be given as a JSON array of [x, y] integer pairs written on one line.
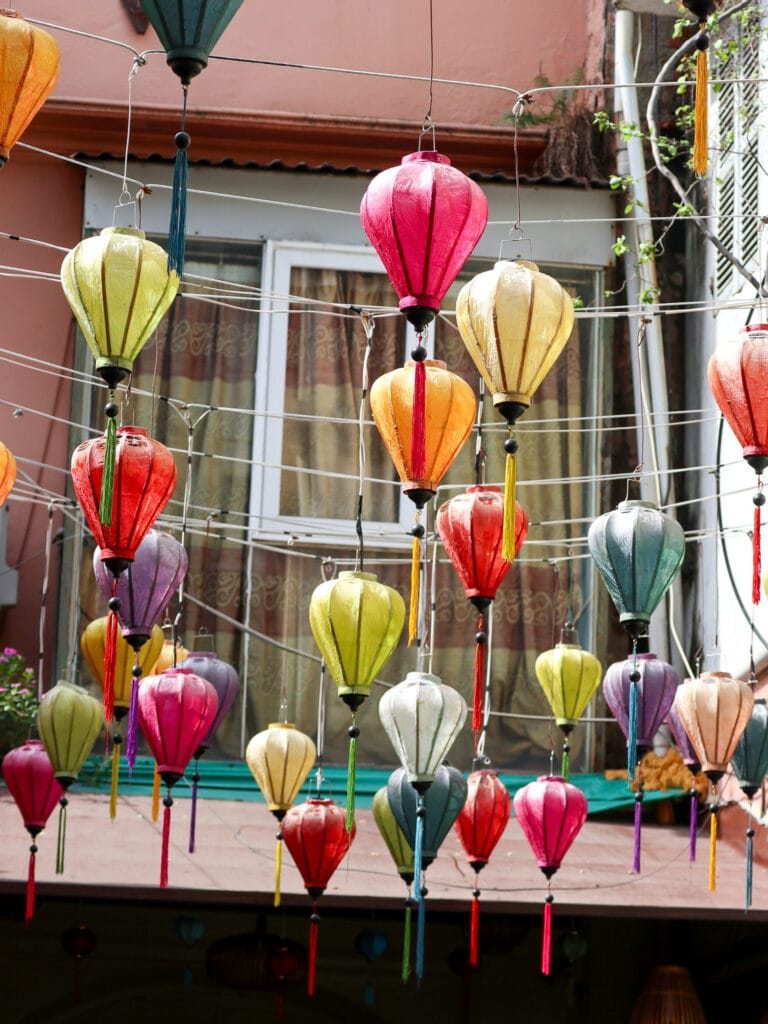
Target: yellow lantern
[[514, 322], [7, 472], [171, 653], [93, 644], [29, 68], [280, 758]]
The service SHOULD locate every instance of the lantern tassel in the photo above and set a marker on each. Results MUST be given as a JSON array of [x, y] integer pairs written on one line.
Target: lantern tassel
[[405, 969], [477, 702], [193, 808], [419, 421], [314, 921], [638, 827], [756, 555], [632, 735], [750, 836], [565, 766], [106, 499], [110, 657], [167, 804], [155, 794], [278, 868], [546, 938], [420, 925], [712, 847], [418, 847], [61, 835], [692, 827], [351, 773], [29, 910], [701, 110], [177, 231], [474, 929], [116, 742], [413, 613], [510, 487], [133, 726]]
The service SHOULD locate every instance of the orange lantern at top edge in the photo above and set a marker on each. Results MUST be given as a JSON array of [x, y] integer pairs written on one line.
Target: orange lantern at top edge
[[29, 69]]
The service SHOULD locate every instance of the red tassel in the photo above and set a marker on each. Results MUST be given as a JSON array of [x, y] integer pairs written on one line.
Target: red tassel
[[546, 941], [477, 705], [167, 804], [756, 557], [313, 923], [110, 657], [281, 1005], [29, 911], [419, 423], [474, 932]]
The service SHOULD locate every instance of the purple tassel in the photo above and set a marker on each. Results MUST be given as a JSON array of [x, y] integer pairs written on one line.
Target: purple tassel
[[193, 811], [133, 726], [638, 827], [693, 824]]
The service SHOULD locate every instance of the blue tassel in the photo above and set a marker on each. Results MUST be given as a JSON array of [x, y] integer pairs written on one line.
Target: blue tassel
[[632, 735], [420, 940], [418, 851], [177, 231], [750, 835]]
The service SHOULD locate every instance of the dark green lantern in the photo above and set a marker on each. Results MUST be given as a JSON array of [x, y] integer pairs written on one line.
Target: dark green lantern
[[750, 765], [189, 30]]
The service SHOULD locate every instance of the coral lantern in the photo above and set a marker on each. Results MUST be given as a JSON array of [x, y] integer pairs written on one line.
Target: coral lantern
[[423, 218], [7, 472], [29, 69]]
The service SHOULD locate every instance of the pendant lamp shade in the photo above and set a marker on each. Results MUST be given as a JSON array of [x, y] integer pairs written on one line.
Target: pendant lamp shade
[[145, 476], [450, 409], [423, 218], [569, 677], [225, 681], [69, 720], [30, 779], [483, 818], [471, 527], [714, 710], [738, 379], [147, 586], [638, 551], [7, 472], [316, 835], [356, 622], [750, 758], [551, 813], [656, 690], [399, 848], [443, 802], [422, 717], [29, 69], [280, 758], [119, 288], [93, 642], [189, 30], [668, 996], [176, 711]]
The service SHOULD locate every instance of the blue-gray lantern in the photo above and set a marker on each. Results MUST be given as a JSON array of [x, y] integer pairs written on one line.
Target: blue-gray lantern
[[750, 764]]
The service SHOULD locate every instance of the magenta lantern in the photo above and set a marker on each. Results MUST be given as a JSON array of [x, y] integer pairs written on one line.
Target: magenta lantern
[[551, 813], [176, 710], [423, 218], [30, 779]]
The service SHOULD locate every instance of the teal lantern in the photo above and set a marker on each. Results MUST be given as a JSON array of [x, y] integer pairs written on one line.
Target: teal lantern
[[750, 766], [189, 30], [638, 551]]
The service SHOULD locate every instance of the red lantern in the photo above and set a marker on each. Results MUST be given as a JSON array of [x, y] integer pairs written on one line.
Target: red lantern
[[176, 712], [30, 779], [480, 825], [423, 218], [471, 527], [551, 813], [316, 835]]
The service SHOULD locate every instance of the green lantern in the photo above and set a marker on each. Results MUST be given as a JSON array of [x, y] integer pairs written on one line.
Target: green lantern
[[189, 30]]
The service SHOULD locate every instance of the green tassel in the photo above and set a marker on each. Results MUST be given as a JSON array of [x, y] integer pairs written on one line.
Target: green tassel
[[108, 474], [177, 231], [406, 968], [351, 772], [62, 835], [566, 766]]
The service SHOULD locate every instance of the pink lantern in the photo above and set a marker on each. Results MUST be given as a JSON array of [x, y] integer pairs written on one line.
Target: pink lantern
[[176, 711], [551, 813], [423, 218], [30, 779]]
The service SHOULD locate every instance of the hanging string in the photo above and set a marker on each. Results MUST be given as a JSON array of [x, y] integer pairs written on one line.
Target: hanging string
[[481, 457], [115, 774], [44, 601], [368, 326], [432, 603], [193, 808], [750, 837], [320, 744], [405, 967], [420, 929], [634, 679]]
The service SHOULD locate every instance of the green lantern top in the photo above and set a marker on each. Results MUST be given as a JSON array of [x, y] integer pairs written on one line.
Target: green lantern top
[[189, 30]]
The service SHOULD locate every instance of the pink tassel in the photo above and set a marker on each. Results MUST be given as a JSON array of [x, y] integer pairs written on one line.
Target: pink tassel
[[474, 930], [419, 423], [29, 911], [167, 804], [756, 559], [133, 726], [314, 920], [692, 828], [477, 703], [546, 940]]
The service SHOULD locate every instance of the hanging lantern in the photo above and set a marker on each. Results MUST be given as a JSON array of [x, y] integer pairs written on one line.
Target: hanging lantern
[[668, 995], [176, 711], [750, 765], [639, 693], [691, 761], [738, 378], [356, 622], [479, 826], [423, 218], [714, 710], [7, 466], [551, 813], [29, 68], [638, 551], [514, 322], [280, 758], [28, 774], [569, 677], [401, 853], [172, 653], [471, 527], [317, 838]]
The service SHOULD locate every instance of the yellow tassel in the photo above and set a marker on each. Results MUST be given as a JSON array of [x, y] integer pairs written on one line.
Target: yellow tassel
[[701, 118], [278, 868], [413, 619], [510, 486], [156, 795], [115, 777], [712, 848]]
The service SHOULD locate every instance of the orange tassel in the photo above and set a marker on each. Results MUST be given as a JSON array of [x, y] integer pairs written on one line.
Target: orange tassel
[[712, 847], [155, 795], [701, 111], [510, 487]]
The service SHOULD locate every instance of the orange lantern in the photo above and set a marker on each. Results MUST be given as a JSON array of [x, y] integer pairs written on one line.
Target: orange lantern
[[7, 472], [29, 68]]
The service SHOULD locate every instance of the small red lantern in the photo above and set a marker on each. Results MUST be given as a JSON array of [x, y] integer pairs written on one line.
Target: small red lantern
[[30, 779], [471, 527], [480, 825], [316, 835], [551, 813], [176, 712]]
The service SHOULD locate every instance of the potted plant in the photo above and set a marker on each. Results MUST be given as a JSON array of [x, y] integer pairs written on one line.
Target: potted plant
[[18, 700]]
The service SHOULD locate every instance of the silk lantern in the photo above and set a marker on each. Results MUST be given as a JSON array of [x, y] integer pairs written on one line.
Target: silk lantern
[[569, 677], [401, 853], [638, 551], [551, 813], [7, 469], [172, 653], [480, 825], [691, 761], [176, 711], [69, 720], [356, 622], [423, 218], [29, 69], [225, 681], [317, 838], [471, 528], [514, 322], [714, 709], [639, 693], [29, 776], [668, 995], [750, 765], [280, 758], [738, 378]]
